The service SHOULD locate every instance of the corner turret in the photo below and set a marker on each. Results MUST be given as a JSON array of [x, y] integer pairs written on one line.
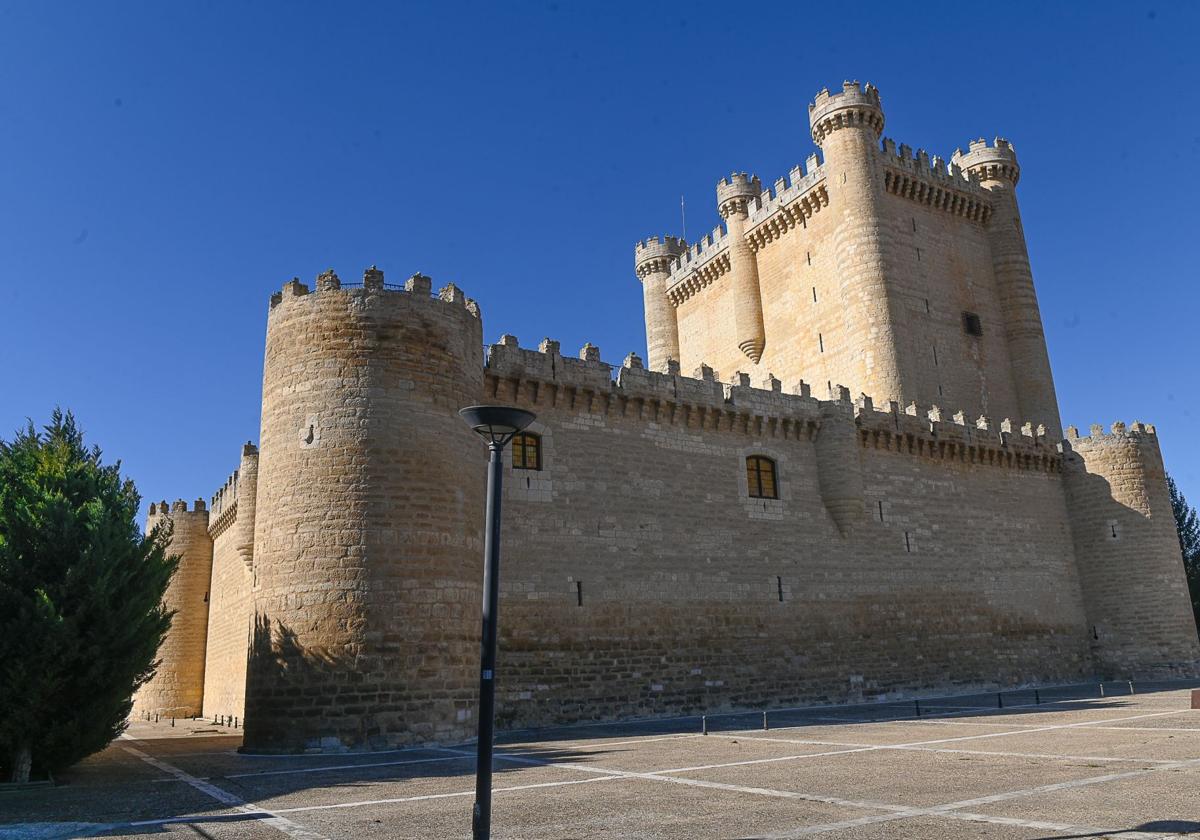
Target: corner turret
[[652, 260], [734, 197], [1135, 592], [995, 166], [847, 127], [857, 106], [986, 162], [177, 686]]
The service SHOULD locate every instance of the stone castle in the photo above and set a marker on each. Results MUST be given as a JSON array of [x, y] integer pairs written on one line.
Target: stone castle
[[871, 498]]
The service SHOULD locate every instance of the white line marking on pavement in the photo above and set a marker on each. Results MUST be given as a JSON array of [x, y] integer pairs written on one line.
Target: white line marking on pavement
[[428, 796], [963, 752], [281, 824]]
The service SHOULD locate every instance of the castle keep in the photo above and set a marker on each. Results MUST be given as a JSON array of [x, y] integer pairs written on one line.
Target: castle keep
[[859, 487]]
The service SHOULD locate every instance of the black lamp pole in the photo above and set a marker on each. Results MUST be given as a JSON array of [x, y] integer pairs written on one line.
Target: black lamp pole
[[497, 425]]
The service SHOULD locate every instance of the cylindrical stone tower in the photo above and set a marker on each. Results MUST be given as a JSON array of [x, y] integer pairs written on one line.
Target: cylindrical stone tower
[[652, 260], [734, 195], [177, 687], [997, 169], [369, 519], [847, 127], [1127, 549]]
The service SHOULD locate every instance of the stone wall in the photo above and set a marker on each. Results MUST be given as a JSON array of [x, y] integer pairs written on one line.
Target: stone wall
[[640, 577], [229, 628]]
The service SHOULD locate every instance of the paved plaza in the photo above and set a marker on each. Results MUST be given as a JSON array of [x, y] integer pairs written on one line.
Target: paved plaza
[[1061, 763]]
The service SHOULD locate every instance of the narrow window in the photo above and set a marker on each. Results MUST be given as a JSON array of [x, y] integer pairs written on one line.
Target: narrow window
[[926, 306], [935, 361], [881, 511], [808, 256], [527, 451], [814, 294], [579, 593], [760, 477], [918, 255], [940, 394], [821, 342], [971, 324], [907, 542], [914, 224], [779, 584]]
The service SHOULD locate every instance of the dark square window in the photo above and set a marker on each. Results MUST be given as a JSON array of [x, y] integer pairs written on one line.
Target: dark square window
[[971, 324]]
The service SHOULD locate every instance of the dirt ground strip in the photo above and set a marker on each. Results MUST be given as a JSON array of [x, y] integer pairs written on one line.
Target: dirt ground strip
[[1072, 764]]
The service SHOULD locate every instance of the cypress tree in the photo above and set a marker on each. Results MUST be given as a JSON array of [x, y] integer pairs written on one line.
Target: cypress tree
[[81, 599], [1188, 525]]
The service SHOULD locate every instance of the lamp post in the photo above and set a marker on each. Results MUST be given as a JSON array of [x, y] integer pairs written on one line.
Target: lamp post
[[497, 425]]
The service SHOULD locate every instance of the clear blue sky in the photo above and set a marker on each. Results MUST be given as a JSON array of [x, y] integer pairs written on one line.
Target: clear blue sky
[[165, 166]]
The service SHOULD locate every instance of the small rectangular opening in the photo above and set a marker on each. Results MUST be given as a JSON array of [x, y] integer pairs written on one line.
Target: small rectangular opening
[[971, 324], [814, 294], [927, 306], [918, 255], [881, 511], [779, 584], [808, 257], [907, 542], [579, 593], [821, 342], [934, 348]]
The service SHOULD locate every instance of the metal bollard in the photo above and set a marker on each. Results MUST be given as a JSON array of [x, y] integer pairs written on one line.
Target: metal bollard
[[1131, 686], [1101, 689], [764, 721], [917, 703], [703, 724]]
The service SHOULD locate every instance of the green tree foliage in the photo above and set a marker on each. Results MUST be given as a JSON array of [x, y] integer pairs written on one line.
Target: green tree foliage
[[81, 599], [1188, 525]]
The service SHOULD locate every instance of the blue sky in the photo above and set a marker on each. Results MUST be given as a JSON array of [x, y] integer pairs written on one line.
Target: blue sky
[[165, 166]]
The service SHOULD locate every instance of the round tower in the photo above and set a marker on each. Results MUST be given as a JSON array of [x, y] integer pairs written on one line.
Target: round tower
[[652, 260], [177, 687], [369, 518], [1127, 551], [997, 170], [847, 126], [734, 195]]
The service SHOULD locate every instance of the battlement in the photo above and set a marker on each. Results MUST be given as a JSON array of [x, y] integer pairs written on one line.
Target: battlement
[[328, 282], [544, 376], [856, 106], [657, 254], [1118, 433], [179, 506], [934, 182], [736, 192], [699, 265], [989, 162], [792, 202]]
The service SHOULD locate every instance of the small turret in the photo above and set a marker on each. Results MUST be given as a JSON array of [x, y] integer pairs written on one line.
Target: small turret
[[996, 167], [652, 260], [736, 192], [855, 107], [989, 162], [734, 195]]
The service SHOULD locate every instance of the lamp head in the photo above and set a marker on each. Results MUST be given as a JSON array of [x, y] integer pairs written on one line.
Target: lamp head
[[496, 423]]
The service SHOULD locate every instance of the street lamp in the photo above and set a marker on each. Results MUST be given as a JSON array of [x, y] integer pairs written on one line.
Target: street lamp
[[496, 424]]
